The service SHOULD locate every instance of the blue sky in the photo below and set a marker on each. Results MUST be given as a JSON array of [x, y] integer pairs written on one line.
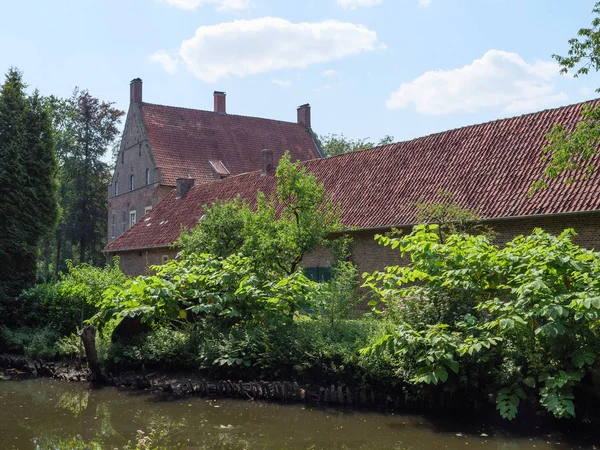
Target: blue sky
[[369, 68]]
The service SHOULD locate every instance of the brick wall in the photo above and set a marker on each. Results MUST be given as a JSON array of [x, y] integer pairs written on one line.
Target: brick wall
[[370, 256], [135, 263]]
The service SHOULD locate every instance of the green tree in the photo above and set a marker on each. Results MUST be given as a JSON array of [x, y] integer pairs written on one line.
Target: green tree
[[28, 209], [334, 144], [571, 150], [86, 129], [450, 217], [276, 234]]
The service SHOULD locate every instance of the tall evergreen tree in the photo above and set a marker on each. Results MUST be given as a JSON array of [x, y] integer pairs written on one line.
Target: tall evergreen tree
[[28, 207]]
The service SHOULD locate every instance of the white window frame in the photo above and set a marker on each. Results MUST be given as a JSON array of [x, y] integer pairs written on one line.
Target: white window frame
[[147, 209], [132, 217]]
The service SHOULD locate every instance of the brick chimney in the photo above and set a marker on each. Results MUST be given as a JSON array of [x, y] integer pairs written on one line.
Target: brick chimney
[[135, 90], [267, 161], [220, 102], [184, 185], [304, 115]]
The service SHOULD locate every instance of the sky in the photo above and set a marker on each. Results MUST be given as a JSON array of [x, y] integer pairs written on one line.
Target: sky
[[369, 68]]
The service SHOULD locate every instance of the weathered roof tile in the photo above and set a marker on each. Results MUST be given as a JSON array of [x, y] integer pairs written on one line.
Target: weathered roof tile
[[185, 140]]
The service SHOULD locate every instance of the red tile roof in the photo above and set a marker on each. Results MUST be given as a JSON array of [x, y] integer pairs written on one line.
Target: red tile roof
[[488, 167], [184, 140]]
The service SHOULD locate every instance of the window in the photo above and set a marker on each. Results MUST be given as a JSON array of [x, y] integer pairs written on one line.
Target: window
[[140, 149], [131, 218], [124, 222], [122, 157], [131, 182], [147, 176], [318, 274], [113, 228], [116, 187], [147, 209], [165, 258]]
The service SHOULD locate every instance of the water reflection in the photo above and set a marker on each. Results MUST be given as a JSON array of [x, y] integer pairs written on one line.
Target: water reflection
[[40, 414]]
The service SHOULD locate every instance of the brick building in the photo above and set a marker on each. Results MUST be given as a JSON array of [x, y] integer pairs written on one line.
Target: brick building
[[163, 143], [488, 167]]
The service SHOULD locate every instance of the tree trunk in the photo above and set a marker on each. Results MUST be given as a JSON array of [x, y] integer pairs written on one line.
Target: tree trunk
[[88, 337]]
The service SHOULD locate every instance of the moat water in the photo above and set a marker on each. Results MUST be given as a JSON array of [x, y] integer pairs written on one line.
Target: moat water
[[42, 413]]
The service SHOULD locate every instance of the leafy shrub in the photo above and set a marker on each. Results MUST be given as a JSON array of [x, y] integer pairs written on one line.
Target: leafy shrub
[[226, 290], [69, 346], [35, 343], [522, 318], [62, 306], [336, 298], [48, 305]]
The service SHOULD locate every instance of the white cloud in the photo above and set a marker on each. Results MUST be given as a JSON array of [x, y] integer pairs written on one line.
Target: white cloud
[[353, 4], [329, 73], [424, 3], [498, 79], [222, 5], [166, 61], [246, 47], [586, 91], [281, 83]]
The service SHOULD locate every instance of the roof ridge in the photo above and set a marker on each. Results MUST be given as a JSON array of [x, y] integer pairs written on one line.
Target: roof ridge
[[225, 115]]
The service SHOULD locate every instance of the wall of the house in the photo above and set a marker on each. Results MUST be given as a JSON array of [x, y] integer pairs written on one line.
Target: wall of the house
[[370, 256], [133, 159], [137, 262]]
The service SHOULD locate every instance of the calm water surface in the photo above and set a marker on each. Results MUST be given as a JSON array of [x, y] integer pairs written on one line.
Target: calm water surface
[[35, 413]]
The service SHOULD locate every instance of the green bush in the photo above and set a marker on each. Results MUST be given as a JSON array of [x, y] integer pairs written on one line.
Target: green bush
[[35, 343], [225, 290], [519, 321], [62, 306], [307, 349]]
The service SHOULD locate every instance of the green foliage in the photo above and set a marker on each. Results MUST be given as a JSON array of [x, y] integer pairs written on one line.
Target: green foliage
[[69, 346], [90, 130], [28, 209], [334, 144], [35, 343], [226, 290], [571, 150], [522, 317], [62, 306], [450, 217], [336, 298], [221, 231], [278, 232], [307, 349], [88, 282]]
